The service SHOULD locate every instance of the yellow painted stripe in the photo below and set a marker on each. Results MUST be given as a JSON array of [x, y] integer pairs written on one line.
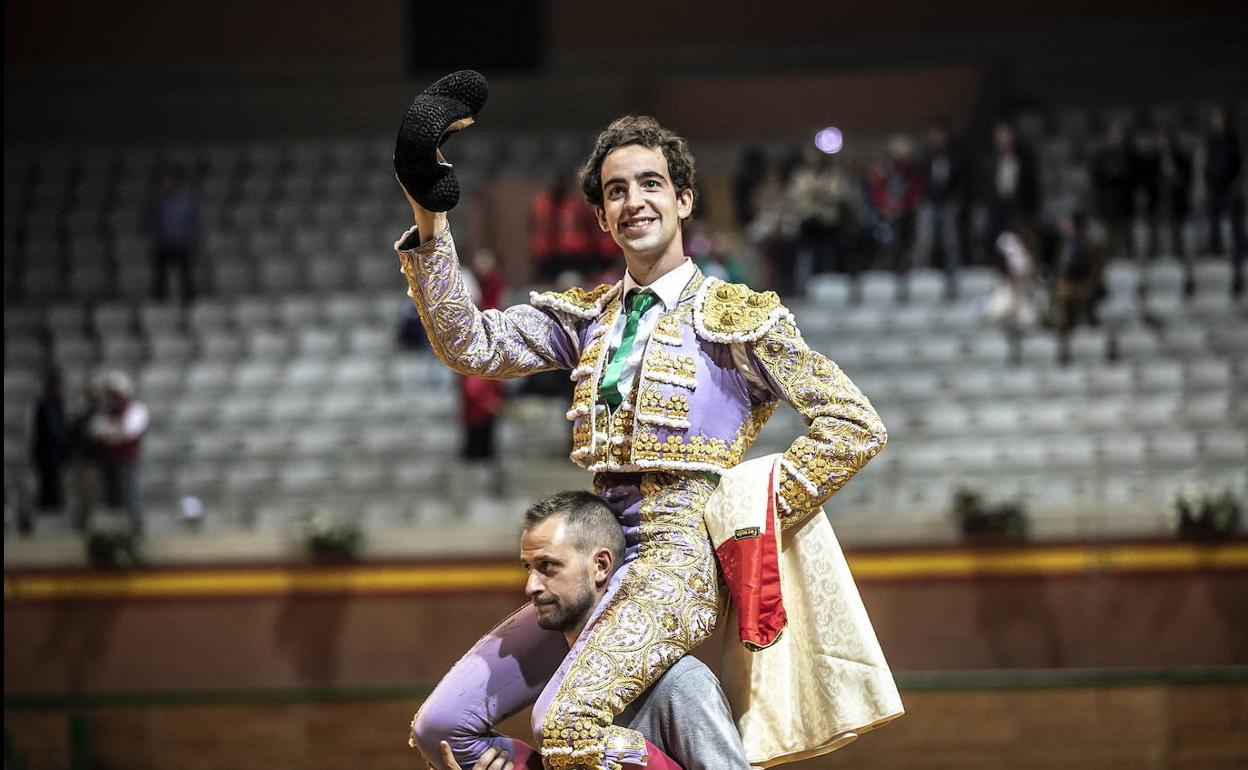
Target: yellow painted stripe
[[276, 580], [867, 567], [1051, 560]]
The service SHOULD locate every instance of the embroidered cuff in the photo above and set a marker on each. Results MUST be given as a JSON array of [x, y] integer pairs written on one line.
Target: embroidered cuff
[[799, 477], [410, 240]]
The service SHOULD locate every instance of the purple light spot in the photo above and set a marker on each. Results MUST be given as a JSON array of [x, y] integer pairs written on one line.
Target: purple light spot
[[829, 140]]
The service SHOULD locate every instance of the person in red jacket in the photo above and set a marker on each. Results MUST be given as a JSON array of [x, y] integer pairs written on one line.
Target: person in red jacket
[[118, 432], [481, 399], [895, 187]]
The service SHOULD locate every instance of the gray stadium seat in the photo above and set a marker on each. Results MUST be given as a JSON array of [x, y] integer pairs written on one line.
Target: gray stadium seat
[[279, 274], [1172, 449], [305, 477], [1159, 375], [359, 372], [171, 346], [255, 376], [345, 310], [313, 440], [209, 315], [160, 318], [160, 378], [25, 352], [67, 320], [297, 313], [317, 343], [213, 446], [266, 344], [1207, 373], [270, 442], [243, 410], [190, 414], [253, 313], [220, 345], [207, 378], [309, 373], [121, 351], [76, 351], [113, 319]]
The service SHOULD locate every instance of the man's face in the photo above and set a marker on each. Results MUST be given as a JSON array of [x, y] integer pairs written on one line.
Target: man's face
[[640, 207], [561, 579]]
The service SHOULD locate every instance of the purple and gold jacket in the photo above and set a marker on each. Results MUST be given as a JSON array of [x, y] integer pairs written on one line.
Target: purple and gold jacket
[[711, 375]]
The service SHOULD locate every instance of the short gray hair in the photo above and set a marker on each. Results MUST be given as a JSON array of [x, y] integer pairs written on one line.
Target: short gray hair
[[591, 522]]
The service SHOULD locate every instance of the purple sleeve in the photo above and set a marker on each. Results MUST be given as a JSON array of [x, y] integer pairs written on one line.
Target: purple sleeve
[[498, 344]]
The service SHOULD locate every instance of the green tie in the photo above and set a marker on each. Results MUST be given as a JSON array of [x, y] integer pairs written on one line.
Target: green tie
[[638, 304]]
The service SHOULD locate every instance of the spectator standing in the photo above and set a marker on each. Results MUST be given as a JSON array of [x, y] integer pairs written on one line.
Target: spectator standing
[[751, 171], [940, 209], [1012, 185], [562, 231], [481, 399], [1223, 163], [774, 233], [1077, 276], [1012, 304], [119, 431], [174, 224], [1115, 172], [817, 194], [895, 186], [1167, 176], [50, 442]]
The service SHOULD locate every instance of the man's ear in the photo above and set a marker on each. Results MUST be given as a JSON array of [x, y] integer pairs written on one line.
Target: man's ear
[[684, 203], [601, 214], [604, 566]]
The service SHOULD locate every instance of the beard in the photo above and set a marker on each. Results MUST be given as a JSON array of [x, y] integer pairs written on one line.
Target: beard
[[561, 616]]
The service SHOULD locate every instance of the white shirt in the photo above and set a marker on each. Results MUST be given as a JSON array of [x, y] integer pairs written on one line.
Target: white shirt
[[123, 428], [668, 289]]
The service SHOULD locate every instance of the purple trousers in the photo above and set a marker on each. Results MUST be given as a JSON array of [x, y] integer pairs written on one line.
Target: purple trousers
[[658, 605]]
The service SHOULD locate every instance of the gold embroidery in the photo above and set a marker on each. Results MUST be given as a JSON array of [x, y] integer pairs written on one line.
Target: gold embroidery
[[734, 308], [652, 403], [667, 603], [498, 344], [679, 364], [698, 451], [668, 329], [575, 299], [845, 431]]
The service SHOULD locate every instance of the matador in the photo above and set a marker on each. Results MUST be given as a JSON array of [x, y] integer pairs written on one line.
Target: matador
[[676, 372]]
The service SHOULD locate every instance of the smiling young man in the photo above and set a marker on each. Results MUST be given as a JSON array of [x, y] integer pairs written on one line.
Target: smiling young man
[[675, 373]]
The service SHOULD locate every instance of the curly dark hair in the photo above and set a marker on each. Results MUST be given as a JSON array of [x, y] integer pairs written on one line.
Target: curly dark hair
[[641, 130]]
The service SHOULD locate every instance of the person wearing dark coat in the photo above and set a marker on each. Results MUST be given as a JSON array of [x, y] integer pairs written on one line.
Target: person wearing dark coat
[[1167, 177], [1011, 184], [50, 443], [1115, 172], [1078, 274], [940, 209], [1224, 200]]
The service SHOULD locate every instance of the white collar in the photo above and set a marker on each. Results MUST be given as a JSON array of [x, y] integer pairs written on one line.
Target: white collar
[[667, 287]]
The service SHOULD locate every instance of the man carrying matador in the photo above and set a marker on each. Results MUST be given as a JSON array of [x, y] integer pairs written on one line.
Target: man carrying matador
[[675, 374]]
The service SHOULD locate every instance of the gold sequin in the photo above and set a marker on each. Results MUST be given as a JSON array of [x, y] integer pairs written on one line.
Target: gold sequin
[[666, 605], [733, 308], [845, 431]]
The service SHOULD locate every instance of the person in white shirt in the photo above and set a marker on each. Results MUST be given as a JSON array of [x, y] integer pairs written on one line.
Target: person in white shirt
[[118, 430]]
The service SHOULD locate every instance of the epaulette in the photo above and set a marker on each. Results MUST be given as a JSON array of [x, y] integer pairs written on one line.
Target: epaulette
[[576, 301], [733, 312]]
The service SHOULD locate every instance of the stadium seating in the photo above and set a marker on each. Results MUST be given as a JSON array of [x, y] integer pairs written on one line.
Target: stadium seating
[[283, 388]]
